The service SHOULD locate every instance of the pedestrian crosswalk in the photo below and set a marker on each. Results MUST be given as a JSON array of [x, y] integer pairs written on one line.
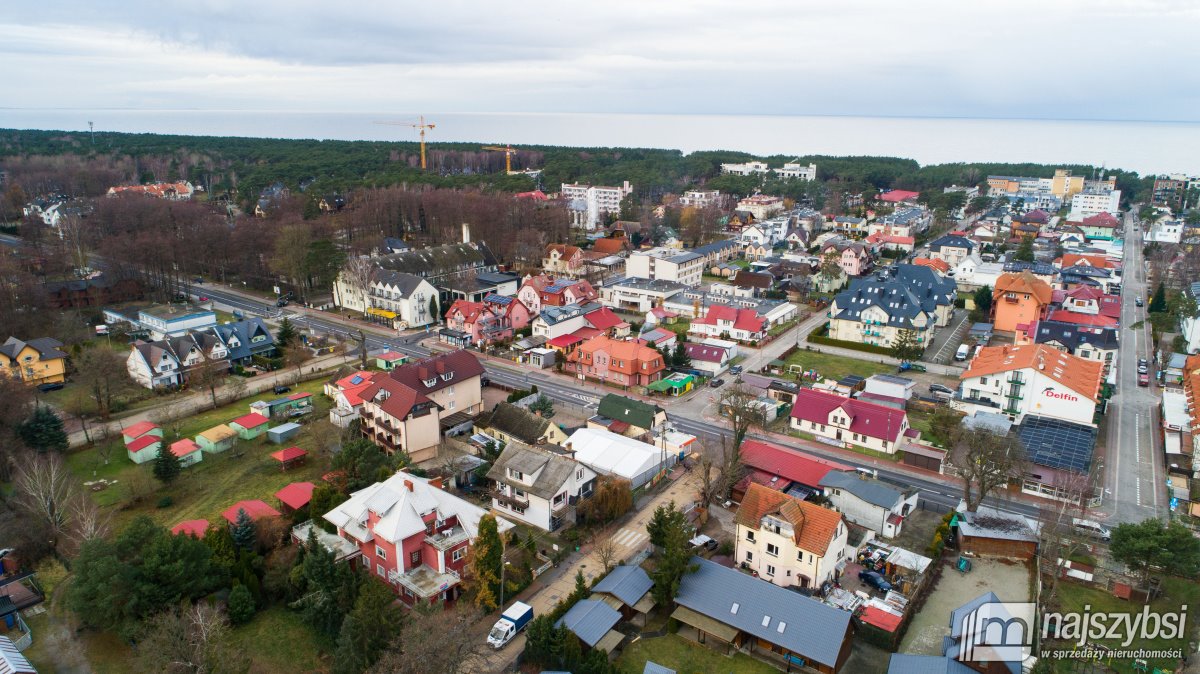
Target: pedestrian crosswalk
[[629, 538]]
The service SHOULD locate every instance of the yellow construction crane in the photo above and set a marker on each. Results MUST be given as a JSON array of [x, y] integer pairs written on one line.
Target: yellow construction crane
[[508, 151], [416, 125]]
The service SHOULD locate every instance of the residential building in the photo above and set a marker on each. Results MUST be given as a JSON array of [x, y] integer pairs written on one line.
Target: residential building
[[175, 191], [411, 534], [1101, 226], [1094, 200], [474, 287], [784, 469], [746, 169], [726, 609], [406, 409], [1165, 230], [243, 340], [852, 256], [1189, 326], [788, 541], [728, 322], [761, 206], [899, 196], [1031, 379], [757, 234], [438, 265], [508, 423], [877, 309], [850, 225], [624, 363], [717, 252], [557, 321], [795, 170], [1062, 186], [711, 361], [590, 204], [1085, 341], [608, 453], [665, 264], [347, 396], [700, 198], [868, 502], [154, 365], [162, 321], [1171, 190], [1019, 299], [541, 291], [561, 259], [850, 422], [395, 299], [951, 248], [1059, 455], [538, 487], [638, 295], [628, 416], [38, 361], [480, 324]]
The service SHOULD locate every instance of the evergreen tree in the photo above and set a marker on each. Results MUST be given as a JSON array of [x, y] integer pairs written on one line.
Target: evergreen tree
[[486, 557], [680, 359], [243, 531], [1158, 303], [330, 589], [543, 406], [673, 563], [286, 334], [220, 542], [43, 431], [367, 630], [983, 300], [433, 309], [240, 605], [665, 518], [906, 346], [166, 465], [1024, 251]]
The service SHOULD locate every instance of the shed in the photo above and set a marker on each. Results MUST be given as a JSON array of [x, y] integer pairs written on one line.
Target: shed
[[144, 448], [675, 385], [924, 456], [593, 621], [188, 452], [193, 528], [250, 426], [295, 496], [11, 660], [289, 457], [989, 532], [141, 429], [283, 432], [627, 589], [255, 508], [390, 360], [217, 439]]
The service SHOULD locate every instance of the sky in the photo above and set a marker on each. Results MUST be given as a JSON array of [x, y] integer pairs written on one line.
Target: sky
[[1044, 59]]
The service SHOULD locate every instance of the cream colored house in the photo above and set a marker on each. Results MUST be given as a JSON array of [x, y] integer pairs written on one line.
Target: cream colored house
[[787, 541]]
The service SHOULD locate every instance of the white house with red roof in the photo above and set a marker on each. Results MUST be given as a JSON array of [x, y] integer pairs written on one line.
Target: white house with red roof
[[346, 394], [411, 534], [726, 322], [1031, 379], [843, 421], [707, 359]]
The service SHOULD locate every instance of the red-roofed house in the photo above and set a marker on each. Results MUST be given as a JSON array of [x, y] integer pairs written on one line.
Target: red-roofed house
[[782, 468], [404, 410], [295, 496], [725, 322], [347, 397], [188, 452], [1099, 226], [144, 448], [535, 195], [788, 541], [1019, 299], [562, 258], [847, 421], [1087, 260], [193, 528], [707, 359], [880, 241], [255, 508], [607, 322], [478, 321], [940, 266], [625, 363], [899, 196], [1089, 300], [1094, 320], [250, 426], [139, 429], [544, 290]]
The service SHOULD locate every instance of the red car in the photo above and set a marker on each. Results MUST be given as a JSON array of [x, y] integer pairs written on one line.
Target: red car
[[203, 298], [1143, 379]]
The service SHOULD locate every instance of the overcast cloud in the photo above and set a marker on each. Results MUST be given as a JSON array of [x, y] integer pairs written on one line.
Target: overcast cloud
[[1064, 59]]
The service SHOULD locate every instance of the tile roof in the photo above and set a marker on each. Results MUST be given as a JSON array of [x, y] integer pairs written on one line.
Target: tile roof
[[896, 196], [742, 319], [1074, 317], [869, 419], [553, 470], [603, 319], [933, 263], [1072, 259], [813, 527], [461, 365], [1106, 220], [704, 353], [788, 463], [803, 625], [1078, 374], [1023, 282], [626, 357]]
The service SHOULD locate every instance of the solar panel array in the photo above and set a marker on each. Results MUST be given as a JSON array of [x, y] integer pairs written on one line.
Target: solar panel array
[[1057, 444]]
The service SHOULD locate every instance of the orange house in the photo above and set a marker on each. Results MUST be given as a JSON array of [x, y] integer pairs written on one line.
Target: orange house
[[1019, 299]]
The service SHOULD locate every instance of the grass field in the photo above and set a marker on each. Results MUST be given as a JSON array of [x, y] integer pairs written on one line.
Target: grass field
[[207, 488], [279, 643], [835, 367], [681, 655]]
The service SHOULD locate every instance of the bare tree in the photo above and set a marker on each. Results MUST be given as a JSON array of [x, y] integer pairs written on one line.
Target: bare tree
[[104, 448], [435, 642], [1058, 539], [358, 273], [741, 408], [190, 640], [46, 490], [87, 523], [208, 374], [103, 374], [985, 462], [74, 240], [79, 405], [296, 356], [236, 388], [324, 435], [606, 552]]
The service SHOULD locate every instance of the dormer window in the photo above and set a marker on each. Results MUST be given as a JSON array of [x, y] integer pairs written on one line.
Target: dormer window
[[430, 382], [448, 376]]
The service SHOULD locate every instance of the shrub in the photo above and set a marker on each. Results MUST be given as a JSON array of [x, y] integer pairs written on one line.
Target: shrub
[[165, 502]]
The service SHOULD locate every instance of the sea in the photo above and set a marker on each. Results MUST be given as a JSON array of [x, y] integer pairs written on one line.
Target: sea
[[1145, 147]]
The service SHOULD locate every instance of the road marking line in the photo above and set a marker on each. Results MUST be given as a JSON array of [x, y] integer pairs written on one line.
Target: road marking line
[[1137, 443]]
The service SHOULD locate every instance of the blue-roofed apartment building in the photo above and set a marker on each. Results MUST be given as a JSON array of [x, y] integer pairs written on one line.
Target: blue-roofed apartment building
[[728, 610], [876, 309]]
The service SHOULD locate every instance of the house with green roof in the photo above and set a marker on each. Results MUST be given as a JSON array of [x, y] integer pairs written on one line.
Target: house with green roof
[[627, 416]]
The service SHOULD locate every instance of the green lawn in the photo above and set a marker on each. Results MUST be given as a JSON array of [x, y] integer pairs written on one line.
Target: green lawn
[[1176, 593], [835, 367], [207, 488], [279, 643], [679, 327], [684, 657]]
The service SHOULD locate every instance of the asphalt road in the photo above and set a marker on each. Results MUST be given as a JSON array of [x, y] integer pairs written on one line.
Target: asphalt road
[[1134, 471]]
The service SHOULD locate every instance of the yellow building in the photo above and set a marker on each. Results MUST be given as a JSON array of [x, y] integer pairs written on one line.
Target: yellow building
[[1064, 185], [38, 361]]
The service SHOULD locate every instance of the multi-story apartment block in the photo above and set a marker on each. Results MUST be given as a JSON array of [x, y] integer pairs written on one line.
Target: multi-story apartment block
[[700, 198], [1032, 379], [666, 264], [1095, 199], [761, 206], [747, 169], [794, 170], [589, 204], [1172, 190]]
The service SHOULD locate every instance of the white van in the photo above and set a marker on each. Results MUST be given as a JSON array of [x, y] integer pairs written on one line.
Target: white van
[[963, 352], [1090, 528]]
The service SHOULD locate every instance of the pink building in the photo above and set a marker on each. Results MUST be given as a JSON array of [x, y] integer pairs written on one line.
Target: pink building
[[853, 257]]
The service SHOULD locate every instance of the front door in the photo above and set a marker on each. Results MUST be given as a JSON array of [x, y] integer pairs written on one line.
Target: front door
[[839, 434]]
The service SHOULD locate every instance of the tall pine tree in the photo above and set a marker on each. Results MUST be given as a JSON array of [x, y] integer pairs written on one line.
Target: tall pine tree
[[166, 465], [43, 431], [368, 629], [244, 532], [1158, 303], [487, 553]]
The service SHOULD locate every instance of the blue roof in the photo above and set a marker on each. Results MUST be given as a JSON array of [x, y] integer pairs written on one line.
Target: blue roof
[[655, 668], [903, 663], [590, 620], [627, 583], [800, 624]]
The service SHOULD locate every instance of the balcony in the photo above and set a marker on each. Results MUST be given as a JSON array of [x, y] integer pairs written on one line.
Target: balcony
[[507, 499], [447, 539], [424, 582]]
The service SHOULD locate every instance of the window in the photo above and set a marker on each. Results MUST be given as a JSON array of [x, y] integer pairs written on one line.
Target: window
[[380, 552], [772, 549], [579, 474], [380, 570], [458, 554], [450, 405], [750, 535], [414, 558], [749, 556], [770, 570], [516, 474]]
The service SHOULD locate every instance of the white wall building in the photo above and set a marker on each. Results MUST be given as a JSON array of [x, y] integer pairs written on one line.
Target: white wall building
[[700, 198], [588, 204], [666, 264], [538, 487], [795, 169], [747, 169], [1032, 379], [610, 454], [1093, 201], [787, 541], [868, 502]]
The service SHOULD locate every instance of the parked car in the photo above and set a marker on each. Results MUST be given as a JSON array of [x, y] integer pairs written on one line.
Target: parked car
[[941, 388], [705, 542], [715, 383], [281, 302], [1144, 379], [964, 350], [46, 388], [875, 580], [282, 389], [736, 369], [198, 279], [1137, 301], [484, 381], [1090, 528], [1143, 367], [202, 298]]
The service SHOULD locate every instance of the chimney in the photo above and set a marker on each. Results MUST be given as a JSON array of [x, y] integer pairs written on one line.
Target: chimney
[[436, 482], [409, 484], [466, 233]]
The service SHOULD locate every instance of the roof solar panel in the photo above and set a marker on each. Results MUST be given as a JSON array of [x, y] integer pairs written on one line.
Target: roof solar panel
[[1057, 444]]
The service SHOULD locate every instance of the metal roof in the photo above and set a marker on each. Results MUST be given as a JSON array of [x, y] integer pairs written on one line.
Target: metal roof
[[871, 491], [590, 620], [627, 583], [905, 663], [800, 624]]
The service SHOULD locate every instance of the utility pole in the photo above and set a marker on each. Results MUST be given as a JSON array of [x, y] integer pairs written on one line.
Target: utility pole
[[92, 132]]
